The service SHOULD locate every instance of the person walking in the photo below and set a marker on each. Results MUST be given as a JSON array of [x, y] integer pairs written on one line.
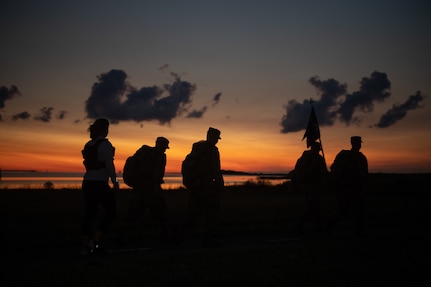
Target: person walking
[[148, 193], [310, 177], [208, 183], [98, 154], [349, 172]]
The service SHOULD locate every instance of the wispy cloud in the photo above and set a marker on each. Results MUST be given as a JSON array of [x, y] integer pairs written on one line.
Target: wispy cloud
[[336, 104], [399, 111], [21, 116], [44, 115], [61, 115]]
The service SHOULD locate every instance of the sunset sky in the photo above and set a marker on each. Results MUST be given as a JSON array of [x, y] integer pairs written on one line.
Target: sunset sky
[[246, 67]]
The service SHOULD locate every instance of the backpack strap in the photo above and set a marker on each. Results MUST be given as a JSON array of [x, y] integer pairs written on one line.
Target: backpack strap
[[90, 155]]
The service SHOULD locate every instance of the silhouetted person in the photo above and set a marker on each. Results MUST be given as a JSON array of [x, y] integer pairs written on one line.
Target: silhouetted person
[[204, 197], [349, 172], [310, 176], [148, 193], [98, 154]]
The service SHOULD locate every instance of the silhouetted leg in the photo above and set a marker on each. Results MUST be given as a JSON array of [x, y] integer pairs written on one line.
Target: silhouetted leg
[[212, 203], [315, 213], [311, 205], [195, 212], [91, 191], [341, 209], [159, 211], [137, 206], [359, 207], [90, 213], [110, 206]]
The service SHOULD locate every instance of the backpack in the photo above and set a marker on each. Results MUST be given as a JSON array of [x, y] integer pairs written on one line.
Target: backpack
[[307, 168], [89, 153], [192, 164], [341, 165], [138, 166]]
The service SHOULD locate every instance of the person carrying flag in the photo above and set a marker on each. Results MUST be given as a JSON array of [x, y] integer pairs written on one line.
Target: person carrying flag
[[310, 175]]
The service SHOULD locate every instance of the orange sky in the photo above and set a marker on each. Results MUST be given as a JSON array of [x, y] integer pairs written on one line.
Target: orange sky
[[48, 147], [244, 69]]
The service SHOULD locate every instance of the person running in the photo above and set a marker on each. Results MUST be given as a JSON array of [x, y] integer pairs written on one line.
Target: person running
[[98, 154]]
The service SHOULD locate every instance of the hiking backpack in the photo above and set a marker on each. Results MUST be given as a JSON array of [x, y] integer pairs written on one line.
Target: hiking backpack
[[89, 153], [138, 166], [191, 166]]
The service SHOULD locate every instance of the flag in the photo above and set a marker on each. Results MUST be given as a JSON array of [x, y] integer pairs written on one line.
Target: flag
[[312, 133]]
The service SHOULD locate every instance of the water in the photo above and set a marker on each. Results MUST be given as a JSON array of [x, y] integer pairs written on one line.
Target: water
[[73, 180]]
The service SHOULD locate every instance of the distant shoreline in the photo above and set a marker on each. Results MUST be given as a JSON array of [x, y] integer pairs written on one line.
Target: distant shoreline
[[19, 170], [262, 175]]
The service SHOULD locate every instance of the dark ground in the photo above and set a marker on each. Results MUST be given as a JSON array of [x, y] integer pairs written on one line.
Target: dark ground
[[40, 237]]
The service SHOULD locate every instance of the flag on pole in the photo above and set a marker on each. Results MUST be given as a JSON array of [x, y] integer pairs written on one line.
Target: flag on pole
[[312, 133]]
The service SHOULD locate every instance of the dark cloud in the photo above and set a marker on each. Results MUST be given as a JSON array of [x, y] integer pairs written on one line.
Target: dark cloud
[[114, 98], [398, 112], [45, 114], [21, 116], [296, 117], [197, 113], [164, 68], [335, 104], [373, 89], [216, 99], [330, 92], [61, 115], [7, 94]]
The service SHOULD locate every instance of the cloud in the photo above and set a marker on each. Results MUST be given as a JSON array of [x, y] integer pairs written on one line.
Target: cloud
[[330, 92], [114, 98], [216, 99], [45, 114], [335, 104], [21, 116], [296, 117], [398, 112], [373, 89], [61, 115], [7, 94], [197, 113]]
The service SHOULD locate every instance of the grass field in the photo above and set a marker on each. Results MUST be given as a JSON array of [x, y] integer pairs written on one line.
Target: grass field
[[41, 236]]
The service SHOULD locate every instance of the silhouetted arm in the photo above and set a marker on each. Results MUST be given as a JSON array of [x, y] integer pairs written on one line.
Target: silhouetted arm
[[107, 152]]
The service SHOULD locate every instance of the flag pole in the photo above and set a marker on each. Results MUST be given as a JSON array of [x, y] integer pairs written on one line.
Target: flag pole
[[323, 153], [320, 139]]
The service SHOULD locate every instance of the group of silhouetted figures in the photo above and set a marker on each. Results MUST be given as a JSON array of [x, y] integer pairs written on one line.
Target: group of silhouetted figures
[[204, 190], [310, 176], [348, 177]]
